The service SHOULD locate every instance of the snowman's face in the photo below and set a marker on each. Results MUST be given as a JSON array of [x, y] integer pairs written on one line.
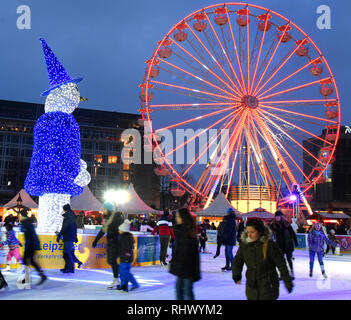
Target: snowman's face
[[64, 98]]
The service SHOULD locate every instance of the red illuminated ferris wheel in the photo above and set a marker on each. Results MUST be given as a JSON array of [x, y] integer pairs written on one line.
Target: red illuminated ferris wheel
[[251, 73]]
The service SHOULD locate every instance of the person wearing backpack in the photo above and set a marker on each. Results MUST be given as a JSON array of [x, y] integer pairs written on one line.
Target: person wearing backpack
[[262, 257]]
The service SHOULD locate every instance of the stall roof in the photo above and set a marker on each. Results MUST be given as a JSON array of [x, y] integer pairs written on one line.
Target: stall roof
[[135, 204], [258, 213], [327, 215], [27, 201], [86, 201], [218, 208]]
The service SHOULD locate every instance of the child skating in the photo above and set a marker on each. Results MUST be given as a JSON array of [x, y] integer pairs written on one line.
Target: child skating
[[13, 243], [126, 247]]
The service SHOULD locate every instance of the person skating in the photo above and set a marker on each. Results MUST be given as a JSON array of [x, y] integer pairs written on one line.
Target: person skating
[[3, 283], [316, 239], [262, 256], [186, 260], [203, 239], [69, 235], [13, 243], [164, 228], [126, 247], [229, 238], [333, 238], [285, 238], [112, 220], [219, 237], [31, 245]]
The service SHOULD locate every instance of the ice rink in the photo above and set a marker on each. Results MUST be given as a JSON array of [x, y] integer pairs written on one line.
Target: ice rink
[[157, 284]]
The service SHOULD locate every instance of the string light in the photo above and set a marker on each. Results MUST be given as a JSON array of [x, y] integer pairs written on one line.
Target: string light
[[56, 171]]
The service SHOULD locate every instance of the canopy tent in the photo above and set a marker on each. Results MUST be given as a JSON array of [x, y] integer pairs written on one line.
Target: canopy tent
[[218, 208], [259, 213], [86, 201], [27, 201], [134, 204]]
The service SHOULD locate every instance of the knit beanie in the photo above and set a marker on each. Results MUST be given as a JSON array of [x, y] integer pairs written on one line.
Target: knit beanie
[[125, 226], [108, 206]]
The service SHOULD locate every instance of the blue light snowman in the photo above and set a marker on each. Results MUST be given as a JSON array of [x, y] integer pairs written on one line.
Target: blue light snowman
[[56, 171]]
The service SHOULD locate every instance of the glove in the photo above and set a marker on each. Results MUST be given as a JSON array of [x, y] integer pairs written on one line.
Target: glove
[[94, 244], [76, 240], [57, 239], [20, 244]]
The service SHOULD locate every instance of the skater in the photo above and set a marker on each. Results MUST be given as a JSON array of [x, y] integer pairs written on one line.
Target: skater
[[69, 235], [229, 238], [112, 220], [203, 239], [261, 256], [80, 220], [126, 245], [164, 228], [3, 283], [145, 227], [186, 260], [333, 238], [31, 245], [13, 244], [316, 239], [241, 229], [219, 239], [285, 238]]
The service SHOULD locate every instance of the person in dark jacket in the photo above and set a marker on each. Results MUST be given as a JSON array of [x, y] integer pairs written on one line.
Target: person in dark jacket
[[68, 234], [219, 237], [229, 238], [126, 245], [241, 229], [3, 283], [203, 239], [31, 245], [285, 238], [164, 228], [112, 220], [262, 256], [186, 261], [332, 237], [80, 220]]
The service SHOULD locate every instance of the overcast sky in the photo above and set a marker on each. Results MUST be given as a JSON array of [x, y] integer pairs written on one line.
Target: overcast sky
[[108, 41]]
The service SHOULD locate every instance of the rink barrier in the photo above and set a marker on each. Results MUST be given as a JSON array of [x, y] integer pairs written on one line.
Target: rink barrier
[[146, 251]]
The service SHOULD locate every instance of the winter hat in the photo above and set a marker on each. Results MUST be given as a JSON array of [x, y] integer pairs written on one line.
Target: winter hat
[[278, 213], [125, 226], [108, 205], [66, 207], [24, 212], [230, 211], [332, 231]]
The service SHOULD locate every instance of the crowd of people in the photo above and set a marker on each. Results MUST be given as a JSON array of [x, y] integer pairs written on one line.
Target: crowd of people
[[264, 247]]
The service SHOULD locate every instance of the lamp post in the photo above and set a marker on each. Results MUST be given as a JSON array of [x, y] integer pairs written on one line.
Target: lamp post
[[295, 198]]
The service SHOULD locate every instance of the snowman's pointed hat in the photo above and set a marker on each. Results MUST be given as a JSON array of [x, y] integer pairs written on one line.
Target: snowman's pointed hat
[[57, 73]]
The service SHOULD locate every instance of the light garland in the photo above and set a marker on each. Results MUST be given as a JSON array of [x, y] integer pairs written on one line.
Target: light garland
[[56, 171]]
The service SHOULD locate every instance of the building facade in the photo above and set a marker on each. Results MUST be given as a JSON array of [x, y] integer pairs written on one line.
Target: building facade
[[101, 148], [335, 191]]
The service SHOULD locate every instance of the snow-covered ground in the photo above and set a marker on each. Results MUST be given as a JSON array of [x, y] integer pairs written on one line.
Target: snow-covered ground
[[157, 284]]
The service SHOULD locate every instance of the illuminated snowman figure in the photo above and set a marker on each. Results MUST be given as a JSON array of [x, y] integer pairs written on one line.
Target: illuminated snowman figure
[[56, 171]]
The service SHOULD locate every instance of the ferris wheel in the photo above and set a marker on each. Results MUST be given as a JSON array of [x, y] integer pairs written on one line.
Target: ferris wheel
[[249, 73]]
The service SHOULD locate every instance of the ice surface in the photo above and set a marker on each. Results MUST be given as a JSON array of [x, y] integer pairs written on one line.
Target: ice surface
[[157, 284]]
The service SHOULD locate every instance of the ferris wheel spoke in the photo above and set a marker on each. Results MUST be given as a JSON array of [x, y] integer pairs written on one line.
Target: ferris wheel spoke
[[236, 90], [279, 68], [295, 88], [236, 54], [282, 147], [288, 77], [189, 106], [225, 54], [265, 106], [296, 127], [193, 90], [270, 60], [259, 54], [194, 119], [205, 67], [204, 149], [197, 135], [196, 77]]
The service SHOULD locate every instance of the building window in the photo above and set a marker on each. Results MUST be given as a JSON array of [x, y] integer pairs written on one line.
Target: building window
[[98, 158], [125, 176], [112, 159]]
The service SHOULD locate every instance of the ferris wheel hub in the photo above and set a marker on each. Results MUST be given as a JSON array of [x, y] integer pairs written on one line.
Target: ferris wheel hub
[[249, 101]]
